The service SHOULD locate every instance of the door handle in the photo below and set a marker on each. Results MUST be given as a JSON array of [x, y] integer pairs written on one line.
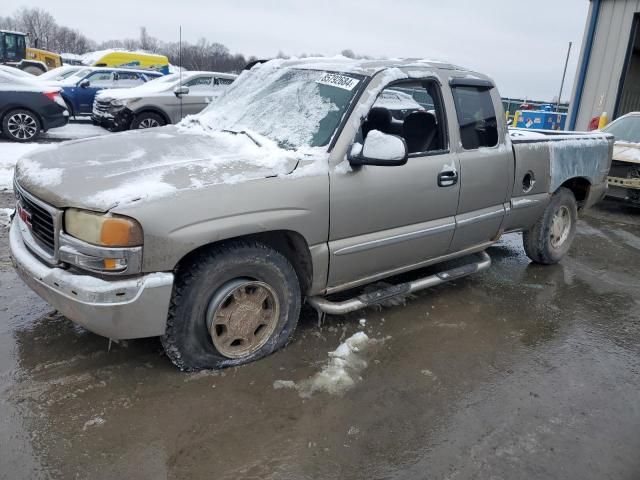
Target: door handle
[[447, 178]]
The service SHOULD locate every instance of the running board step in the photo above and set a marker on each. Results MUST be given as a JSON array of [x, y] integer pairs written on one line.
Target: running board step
[[369, 299]]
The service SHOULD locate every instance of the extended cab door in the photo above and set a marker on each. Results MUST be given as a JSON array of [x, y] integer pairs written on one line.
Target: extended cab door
[[386, 219], [486, 162]]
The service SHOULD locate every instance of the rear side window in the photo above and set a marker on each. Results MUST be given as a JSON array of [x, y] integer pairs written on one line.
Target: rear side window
[[223, 81], [476, 116]]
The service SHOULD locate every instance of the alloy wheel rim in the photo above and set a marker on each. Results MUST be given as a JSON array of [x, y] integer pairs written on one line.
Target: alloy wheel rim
[[560, 227], [149, 123], [22, 126], [242, 316]]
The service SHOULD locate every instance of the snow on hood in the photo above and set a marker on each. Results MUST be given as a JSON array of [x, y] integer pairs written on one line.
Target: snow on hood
[[626, 152], [100, 173], [157, 85]]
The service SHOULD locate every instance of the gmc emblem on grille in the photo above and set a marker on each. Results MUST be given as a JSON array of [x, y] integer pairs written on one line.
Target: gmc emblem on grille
[[24, 215]]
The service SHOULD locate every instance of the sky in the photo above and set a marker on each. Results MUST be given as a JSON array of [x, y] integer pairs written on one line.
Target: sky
[[522, 45]]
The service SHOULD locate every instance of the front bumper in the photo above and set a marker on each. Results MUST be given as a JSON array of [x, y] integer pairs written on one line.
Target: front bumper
[[113, 119], [118, 309]]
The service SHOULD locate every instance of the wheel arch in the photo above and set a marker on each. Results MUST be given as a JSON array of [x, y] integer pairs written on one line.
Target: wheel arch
[[156, 110], [580, 187], [289, 243]]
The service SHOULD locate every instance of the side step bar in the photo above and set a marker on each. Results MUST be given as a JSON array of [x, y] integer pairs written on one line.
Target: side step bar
[[369, 299]]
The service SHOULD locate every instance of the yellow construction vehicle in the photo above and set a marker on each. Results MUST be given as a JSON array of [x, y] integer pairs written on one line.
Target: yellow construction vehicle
[[14, 52]]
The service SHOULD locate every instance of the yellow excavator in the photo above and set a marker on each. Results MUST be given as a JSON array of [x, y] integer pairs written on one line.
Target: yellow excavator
[[14, 52]]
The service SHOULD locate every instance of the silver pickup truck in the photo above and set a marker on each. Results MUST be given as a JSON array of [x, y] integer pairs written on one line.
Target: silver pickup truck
[[293, 186]]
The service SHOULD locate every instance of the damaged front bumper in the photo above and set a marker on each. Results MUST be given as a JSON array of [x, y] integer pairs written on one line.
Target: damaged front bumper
[[118, 309]]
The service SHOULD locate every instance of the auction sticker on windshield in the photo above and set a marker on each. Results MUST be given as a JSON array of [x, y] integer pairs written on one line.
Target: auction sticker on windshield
[[340, 81]]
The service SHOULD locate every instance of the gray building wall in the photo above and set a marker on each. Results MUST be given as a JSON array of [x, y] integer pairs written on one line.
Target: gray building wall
[[606, 62]]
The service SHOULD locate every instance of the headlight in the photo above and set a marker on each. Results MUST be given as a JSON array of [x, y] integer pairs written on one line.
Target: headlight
[[123, 101], [101, 229]]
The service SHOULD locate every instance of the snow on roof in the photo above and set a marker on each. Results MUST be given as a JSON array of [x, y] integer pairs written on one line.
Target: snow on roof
[[92, 57], [11, 83], [368, 67]]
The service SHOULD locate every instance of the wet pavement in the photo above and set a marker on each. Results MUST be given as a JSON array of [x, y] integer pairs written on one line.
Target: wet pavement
[[523, 371]]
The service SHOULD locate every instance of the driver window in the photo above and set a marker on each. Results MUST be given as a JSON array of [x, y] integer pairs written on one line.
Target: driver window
[[101, 79], [199, 84], [411, 110]]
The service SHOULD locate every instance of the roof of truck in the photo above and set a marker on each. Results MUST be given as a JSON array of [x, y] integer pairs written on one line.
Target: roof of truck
[[369, 67]]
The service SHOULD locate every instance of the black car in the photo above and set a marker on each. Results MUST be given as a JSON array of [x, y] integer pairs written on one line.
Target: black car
[[28, 108]]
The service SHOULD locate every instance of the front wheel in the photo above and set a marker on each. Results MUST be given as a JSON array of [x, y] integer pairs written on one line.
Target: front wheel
[[21, 126], [552, 235], [231, 305], [147, 120]]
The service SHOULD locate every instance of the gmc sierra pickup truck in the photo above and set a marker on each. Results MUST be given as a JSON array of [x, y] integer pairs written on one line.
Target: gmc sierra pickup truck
[[292, 186]]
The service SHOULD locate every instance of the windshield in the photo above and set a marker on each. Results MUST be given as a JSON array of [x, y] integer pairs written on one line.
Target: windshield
[[626, 129], [293, 107]]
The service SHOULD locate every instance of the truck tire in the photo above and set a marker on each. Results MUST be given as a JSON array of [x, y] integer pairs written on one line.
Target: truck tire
[[147, 120], [231, 305], [21, 125], [551, 236]]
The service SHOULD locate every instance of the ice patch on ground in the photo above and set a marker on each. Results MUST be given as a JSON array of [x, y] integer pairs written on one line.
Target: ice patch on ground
[[93, 422], [4, 216], [341, 372]]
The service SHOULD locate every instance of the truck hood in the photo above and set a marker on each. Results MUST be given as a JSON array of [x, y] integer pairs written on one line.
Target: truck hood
[[102, 172], [626, 152]]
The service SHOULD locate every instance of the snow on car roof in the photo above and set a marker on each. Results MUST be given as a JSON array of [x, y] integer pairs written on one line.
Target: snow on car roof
[[92, 57], [157, 85], [11, 83], [368, 67]]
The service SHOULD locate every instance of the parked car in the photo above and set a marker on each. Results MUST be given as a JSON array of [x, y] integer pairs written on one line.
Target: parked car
[[163, 101], [79, 90], [60, 73], [28, 108], [211, 233], [16, 72], [624, 176]]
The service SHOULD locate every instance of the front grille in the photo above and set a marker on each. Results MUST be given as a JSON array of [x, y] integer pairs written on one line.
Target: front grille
[[101, 106], [42, 223]]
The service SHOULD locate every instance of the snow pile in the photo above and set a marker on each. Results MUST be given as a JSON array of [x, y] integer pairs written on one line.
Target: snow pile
[[9, 155], [341, 372], [12, 83]]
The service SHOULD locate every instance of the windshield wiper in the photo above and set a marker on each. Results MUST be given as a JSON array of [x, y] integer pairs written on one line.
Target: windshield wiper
[[243, 132]]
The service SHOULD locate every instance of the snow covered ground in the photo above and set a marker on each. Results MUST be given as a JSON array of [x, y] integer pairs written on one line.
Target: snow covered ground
[[10, 152]]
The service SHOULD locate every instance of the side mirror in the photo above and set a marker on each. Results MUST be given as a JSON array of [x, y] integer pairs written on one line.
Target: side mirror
[[179, 91], [381, 149], [84, 83]]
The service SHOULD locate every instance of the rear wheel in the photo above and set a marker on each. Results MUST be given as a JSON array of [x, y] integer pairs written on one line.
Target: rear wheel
[[147, 120], [231, 305], [552, 235], [21, 125]]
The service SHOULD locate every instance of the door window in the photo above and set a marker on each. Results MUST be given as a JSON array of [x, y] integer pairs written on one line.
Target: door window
[[223, 81], [101, 79], [128, 79], [199, 84], [476, 116], [412, 110]]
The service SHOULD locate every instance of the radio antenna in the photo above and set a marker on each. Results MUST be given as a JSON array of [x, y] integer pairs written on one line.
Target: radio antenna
[[180, 67]]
